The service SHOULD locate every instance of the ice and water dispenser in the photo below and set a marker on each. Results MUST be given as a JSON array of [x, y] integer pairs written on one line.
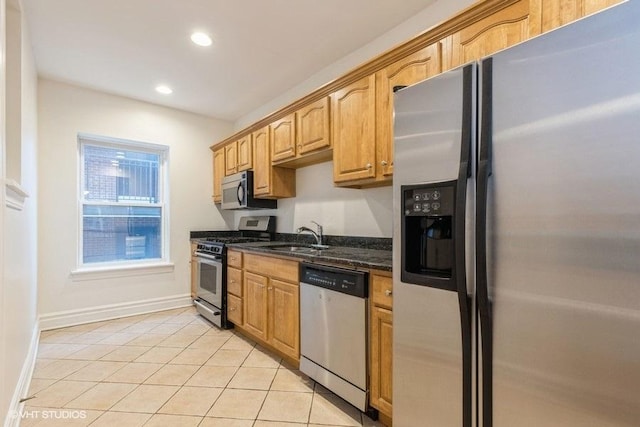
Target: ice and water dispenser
[[427, 234]]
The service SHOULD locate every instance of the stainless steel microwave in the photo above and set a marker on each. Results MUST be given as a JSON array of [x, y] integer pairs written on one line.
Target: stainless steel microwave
[[237, 193]]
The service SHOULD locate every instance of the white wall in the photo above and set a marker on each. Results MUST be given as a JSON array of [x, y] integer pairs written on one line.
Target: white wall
[[65, 111], [341, 211], [19, 240], [346, 211]]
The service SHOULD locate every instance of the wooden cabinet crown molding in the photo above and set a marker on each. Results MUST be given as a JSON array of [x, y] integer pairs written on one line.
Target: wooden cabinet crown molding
[[471, 14]]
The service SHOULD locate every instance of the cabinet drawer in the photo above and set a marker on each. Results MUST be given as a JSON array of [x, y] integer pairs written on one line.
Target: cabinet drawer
[[382, 289], [234, 309], [234, 259], [276, 268], [234, 281]]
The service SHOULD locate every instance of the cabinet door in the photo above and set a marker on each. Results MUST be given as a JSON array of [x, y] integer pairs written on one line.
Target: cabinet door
[[556, 13], [255, 304], [231, 158], [312, 127], [283, 138], [381, 359], [407, 71], [262, 162], [284, 317], [234, 309], [502, 29], [234, 281], [353, 131], [218, 174], [245, 153]]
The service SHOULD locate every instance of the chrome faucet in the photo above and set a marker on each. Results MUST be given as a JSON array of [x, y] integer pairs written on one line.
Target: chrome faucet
[[317, 234]]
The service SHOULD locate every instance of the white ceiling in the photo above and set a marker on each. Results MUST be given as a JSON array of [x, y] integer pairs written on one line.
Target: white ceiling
[[261, 48]]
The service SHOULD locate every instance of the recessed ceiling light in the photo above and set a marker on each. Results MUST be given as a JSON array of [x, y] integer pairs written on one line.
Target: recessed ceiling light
[[165, 90], [201, 39]]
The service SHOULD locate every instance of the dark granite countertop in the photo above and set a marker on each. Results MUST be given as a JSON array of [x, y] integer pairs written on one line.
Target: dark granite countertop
[[344, 255]]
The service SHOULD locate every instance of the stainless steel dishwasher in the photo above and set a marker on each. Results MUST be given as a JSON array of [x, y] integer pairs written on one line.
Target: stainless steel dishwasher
[[333, 330]]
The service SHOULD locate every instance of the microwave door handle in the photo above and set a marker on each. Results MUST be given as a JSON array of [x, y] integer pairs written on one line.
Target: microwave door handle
[[240, 193]]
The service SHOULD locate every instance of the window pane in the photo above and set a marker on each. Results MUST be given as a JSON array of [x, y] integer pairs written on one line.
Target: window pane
[[120, 175], [115, 233]]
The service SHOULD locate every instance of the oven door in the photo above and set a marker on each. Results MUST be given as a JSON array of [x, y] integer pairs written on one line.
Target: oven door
[[209, 279]]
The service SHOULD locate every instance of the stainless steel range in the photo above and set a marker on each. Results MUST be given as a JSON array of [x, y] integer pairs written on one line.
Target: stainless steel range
[[211, 267]]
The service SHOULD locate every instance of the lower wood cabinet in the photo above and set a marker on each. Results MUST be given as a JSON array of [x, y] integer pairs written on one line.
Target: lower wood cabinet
[[235, 307], [256, 304], [271, 303], [381, 341], [284, 316]]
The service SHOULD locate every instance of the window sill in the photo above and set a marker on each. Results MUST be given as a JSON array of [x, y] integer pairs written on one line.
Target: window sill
[[114, 271]]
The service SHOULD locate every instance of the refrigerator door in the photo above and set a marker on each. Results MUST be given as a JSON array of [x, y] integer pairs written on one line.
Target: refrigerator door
[[563, 226], [433, 192]]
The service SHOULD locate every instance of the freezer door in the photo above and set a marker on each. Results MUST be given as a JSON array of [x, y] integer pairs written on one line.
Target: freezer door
[[563, 226], [432, 330]]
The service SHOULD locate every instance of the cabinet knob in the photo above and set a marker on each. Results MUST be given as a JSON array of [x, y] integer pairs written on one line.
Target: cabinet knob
[[369, 165], [270, 288], [232, 309], [388, 292], [300, 146], [384, 163], [232, 281], [232, 258]]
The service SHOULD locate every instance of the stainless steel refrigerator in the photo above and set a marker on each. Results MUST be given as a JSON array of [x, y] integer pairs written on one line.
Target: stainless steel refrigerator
[[516, 257]]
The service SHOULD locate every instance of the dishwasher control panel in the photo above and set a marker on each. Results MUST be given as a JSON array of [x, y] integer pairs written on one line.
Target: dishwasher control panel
[[342, 280]]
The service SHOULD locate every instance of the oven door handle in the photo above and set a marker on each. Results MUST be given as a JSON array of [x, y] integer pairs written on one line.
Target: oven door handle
[[209, 257]]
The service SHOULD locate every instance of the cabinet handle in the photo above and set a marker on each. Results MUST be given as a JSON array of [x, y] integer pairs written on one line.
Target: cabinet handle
[[384, 163], [270, 288], [261, 286], [300, 146], [232, 309], [232, 281], [232, 258], [388, 292], [369, 165]]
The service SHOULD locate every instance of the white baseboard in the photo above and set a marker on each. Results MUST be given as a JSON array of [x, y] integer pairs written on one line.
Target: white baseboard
[[22, 388], [113, 311]]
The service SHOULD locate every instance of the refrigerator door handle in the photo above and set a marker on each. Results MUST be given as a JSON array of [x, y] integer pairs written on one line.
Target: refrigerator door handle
[[482, 286], [464, 300]]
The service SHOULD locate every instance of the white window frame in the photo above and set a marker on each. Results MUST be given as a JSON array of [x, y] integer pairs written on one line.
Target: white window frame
[[124, 267]]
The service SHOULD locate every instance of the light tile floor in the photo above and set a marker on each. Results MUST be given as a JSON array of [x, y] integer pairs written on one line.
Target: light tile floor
[[172, 368]]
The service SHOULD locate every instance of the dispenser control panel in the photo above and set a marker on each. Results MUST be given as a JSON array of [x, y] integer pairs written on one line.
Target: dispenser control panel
[[429, 200]]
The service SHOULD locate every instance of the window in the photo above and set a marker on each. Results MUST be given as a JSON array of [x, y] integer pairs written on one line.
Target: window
[[122, 201]]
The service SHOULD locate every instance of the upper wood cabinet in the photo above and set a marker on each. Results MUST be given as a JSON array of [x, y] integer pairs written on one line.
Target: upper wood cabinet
[[302, 138], [283, 138], [245, 153], [555, 13], [414, 68], [262, 163], [313, 131], [231, 158], [512, 24], [353, 131], [270, 181], [218, 174]]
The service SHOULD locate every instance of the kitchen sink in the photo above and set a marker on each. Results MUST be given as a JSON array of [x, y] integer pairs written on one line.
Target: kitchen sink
[[295, 248], [305, 249]]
